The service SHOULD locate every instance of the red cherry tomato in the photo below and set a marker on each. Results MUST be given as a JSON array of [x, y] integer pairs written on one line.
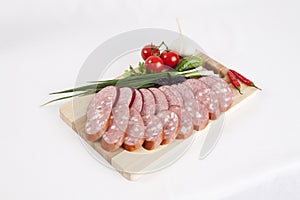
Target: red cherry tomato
[[154, 63], [170, 58], [149, 50]]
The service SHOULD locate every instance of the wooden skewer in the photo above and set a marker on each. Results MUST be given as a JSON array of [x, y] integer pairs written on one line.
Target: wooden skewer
[[178, 25]]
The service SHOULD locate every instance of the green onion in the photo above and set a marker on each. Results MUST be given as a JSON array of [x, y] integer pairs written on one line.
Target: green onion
[[137, 81]]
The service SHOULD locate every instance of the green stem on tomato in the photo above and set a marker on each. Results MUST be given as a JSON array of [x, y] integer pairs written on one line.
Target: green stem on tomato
[[163, 43]]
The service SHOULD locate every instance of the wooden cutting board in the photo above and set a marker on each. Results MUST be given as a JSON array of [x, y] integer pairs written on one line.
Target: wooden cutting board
[[132, 165]]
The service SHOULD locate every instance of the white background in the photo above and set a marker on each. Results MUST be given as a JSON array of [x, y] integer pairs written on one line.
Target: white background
[[43, 45]]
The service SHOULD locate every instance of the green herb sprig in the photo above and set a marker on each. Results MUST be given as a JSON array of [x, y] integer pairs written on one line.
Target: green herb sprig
[[141, 70]]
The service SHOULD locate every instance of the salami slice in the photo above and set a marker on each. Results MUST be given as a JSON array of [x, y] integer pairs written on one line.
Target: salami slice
[[148, 104], [177, 94], [98, 120], [186, 126], [161, 102], [205, 95], [99, 112], [199, 114], [135, 134], [95, 108], [207, 99], [109, 91], [185, 91], [153, 132], [194, 84], [138, 101], [172, 99], [121, 116], [170, 123], [126, 96], [222, 90], [114, 137], [175, 90], [91, 109]]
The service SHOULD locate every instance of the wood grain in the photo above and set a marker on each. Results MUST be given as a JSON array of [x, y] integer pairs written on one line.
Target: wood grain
[[132, 165]]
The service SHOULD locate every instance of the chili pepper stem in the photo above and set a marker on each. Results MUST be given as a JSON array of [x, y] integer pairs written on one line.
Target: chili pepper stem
[[253, 85], [239, 89]]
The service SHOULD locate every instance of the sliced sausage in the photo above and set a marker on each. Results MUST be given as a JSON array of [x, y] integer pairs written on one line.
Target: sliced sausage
[[114, 137], [177, 94], [194, 84], [138, 101], [185, 91], [135, 134], [222, 90], [153, 132], [149, 102], [170, 123], [98, 113], [161, 102], [109, 91], [98, 120], [91, 109], [121, 116], [206, 96], [186, 126], [172, 99], [199, 113], [202, 116], [126, 96]]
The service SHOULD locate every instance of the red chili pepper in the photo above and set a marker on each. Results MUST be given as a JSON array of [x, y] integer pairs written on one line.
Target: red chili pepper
[[234, 81], [244, 79]]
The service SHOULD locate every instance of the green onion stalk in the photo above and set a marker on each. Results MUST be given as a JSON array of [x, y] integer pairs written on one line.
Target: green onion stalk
[[137, 81]]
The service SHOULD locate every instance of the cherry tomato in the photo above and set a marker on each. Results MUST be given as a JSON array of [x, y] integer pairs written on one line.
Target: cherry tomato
[[170, 58], [149, 50], [154, 63]]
